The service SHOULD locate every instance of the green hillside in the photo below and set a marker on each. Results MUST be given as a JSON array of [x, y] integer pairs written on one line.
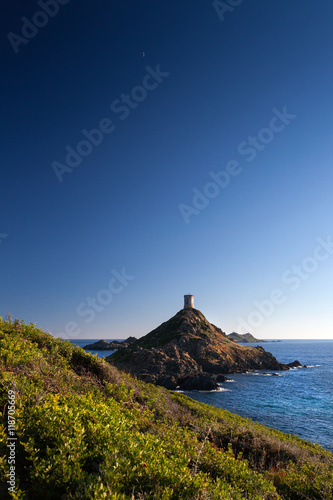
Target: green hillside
[[88, 431]]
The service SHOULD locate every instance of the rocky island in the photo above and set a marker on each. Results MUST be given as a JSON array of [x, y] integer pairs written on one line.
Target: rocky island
[[114, 345], [188, 352], [244, 338]]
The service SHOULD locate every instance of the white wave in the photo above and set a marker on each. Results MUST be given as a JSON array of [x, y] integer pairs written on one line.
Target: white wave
[[219, 389]]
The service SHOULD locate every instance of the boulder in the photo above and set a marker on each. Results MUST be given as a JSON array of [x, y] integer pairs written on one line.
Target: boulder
[[296, 364]]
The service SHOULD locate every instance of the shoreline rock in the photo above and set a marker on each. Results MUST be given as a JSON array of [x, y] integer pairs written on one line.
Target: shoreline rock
[[222, 378]]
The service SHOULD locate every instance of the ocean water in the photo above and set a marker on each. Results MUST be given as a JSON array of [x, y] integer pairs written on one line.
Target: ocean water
[[298, 401]]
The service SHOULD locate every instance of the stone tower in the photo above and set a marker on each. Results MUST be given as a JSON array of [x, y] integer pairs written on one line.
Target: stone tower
[[188, 301]]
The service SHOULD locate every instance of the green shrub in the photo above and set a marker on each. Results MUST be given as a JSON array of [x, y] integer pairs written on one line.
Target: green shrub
[[87, 431]]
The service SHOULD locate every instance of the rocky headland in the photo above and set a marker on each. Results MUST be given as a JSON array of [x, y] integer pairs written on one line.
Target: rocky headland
[[187, 352], [114, 345]]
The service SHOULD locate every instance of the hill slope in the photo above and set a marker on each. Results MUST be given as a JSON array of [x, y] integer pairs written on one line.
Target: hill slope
[[87, 431], [187, 351]]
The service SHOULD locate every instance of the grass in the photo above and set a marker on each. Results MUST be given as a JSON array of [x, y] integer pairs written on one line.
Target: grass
[[88, 431]]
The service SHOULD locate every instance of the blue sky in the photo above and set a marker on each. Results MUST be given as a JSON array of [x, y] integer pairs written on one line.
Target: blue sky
[[119, 121]]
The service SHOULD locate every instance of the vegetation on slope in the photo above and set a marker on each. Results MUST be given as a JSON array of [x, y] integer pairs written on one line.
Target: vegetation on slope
[[87, 431], [186, 321]]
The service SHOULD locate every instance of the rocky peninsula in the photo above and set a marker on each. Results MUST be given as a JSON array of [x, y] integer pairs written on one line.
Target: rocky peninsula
[[188, 352]]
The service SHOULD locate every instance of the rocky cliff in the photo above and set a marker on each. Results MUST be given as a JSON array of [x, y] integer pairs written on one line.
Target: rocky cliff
[[187, 352]]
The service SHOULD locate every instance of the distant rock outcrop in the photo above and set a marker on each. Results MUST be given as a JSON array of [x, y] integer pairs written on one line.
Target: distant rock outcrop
[[187, 351], [243, 337], [103, 345]]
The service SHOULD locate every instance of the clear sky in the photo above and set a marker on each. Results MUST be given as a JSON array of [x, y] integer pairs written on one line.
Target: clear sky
[[154, 149]]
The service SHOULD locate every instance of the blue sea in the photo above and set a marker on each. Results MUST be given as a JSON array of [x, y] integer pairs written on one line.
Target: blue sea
[[298, 401]]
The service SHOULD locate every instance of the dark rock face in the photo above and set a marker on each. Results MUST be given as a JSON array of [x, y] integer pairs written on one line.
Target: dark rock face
[[103, 345], [221, 378], [188, 351], [202, 382]]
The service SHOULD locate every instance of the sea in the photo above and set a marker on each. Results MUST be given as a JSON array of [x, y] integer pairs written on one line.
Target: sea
[[298, 401]]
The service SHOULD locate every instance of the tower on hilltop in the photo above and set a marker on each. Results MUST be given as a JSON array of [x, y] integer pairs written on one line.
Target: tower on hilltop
[[188, 301]]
